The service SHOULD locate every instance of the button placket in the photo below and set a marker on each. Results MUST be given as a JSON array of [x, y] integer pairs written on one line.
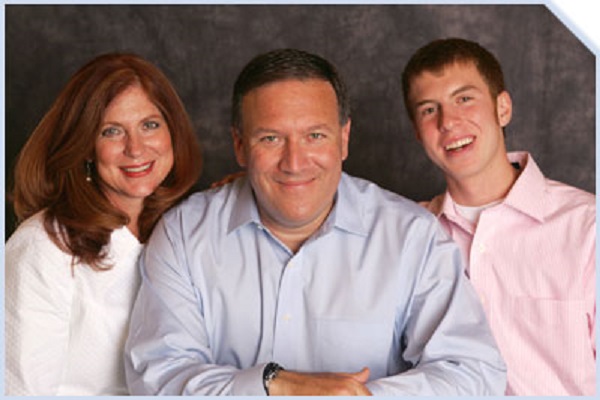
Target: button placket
[[289, 314], [480, 261]]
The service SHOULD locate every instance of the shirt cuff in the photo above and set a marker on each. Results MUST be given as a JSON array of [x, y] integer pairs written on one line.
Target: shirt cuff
[[249, 382]]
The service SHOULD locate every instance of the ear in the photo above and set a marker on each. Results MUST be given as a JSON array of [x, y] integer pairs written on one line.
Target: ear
[[238, 147], [345, 138], [504, 108]]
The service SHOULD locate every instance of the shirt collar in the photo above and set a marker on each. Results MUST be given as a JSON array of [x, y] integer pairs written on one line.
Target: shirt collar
[[445, 205], [527, 194], [346, 213], [244, 210], [440, 204]]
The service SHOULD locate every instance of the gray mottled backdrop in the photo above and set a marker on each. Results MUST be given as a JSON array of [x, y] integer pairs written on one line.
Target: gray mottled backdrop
[[201, 48]]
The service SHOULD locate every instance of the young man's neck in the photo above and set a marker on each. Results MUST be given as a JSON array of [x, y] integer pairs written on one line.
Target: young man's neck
[[483, 188]]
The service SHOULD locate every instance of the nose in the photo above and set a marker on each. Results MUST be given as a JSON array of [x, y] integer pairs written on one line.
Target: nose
[[134, 145], [294, 157], [447, 119]]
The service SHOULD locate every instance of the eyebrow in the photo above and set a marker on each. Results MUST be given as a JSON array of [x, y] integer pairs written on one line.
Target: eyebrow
[[319, 127], [455, 92], [146, 118], [311, 128], [260, 131], [464, 88]]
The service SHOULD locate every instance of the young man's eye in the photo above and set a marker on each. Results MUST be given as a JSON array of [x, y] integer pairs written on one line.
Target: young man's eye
[[427, 111], [464, 99]]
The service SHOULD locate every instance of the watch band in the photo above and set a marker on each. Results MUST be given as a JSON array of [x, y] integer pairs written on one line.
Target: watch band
[[269, 373]]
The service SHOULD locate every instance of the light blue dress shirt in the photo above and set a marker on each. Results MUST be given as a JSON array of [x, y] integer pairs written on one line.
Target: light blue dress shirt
[[378, 285]]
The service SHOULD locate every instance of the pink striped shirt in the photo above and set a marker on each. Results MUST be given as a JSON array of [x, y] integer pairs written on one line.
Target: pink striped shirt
[[531, 259]]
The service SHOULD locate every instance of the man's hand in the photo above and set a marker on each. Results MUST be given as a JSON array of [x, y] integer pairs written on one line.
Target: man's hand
[[289, 383]]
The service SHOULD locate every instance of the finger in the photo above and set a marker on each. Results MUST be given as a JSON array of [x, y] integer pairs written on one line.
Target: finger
[[363, 375]]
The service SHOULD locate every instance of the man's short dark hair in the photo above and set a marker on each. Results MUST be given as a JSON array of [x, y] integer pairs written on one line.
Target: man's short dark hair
[[441, 53], [287, 64]]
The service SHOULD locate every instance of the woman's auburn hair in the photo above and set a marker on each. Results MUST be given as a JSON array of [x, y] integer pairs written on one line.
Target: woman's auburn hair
[[50, 172]]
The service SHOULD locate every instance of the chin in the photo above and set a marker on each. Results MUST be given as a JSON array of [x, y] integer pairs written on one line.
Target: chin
[[143, 193]]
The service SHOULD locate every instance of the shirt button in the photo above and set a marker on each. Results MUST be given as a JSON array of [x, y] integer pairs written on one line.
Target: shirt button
[[483, 299], [287, 317], [481, 247]]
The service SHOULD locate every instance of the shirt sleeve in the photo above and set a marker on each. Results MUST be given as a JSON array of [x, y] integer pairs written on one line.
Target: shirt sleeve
[[589, 279], [168, 351], [38, 302], [447, 339]]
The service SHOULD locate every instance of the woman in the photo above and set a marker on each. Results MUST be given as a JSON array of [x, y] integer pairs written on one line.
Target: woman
[[115, 150]]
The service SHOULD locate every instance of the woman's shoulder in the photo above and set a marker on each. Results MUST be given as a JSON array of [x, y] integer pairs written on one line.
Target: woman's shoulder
[[31, 229], [36, 269], [30, 241]]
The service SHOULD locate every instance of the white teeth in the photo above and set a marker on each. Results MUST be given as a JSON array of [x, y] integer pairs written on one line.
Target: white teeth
[[459, 143], [138, 169]]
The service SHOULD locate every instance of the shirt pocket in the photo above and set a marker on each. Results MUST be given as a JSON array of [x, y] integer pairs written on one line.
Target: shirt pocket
[[350, 345], [550, 337]]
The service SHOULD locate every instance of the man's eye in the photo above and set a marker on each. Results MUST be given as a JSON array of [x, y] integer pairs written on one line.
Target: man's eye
[[427, 111], [316, 135], [268, 138], [464, 99]]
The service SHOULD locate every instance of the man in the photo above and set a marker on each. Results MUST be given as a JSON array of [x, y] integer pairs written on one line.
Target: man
[[528, 242], [352, 290]]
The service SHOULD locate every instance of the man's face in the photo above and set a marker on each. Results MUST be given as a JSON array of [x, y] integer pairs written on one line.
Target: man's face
[[458, 121], [292, 145]]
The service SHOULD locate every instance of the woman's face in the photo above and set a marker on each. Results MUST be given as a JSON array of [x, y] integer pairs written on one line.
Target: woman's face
[[134, 153]]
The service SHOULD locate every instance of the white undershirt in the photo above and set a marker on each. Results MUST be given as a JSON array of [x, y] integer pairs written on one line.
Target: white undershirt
[[472, 214]]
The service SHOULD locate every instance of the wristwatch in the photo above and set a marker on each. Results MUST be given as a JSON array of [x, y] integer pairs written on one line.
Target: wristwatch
[[269, 373]]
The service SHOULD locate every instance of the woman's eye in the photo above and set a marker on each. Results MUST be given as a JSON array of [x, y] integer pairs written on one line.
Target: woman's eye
[[151, 125], [110, 131]]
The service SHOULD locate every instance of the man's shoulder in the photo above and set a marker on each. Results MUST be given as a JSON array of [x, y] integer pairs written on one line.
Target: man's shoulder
[[556, 194], [201, 201], [568, 192], [370, 196], [434, 205], [567, 197], [201, 214]]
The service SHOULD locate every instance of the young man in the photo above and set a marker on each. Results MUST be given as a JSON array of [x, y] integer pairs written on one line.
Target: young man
[[528, 242], [352, 289]]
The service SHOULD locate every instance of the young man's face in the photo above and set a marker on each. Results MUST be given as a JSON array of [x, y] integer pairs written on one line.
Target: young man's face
[[458, 121], [293, 146]]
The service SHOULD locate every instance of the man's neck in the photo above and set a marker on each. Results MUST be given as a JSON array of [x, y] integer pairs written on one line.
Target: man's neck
[[293, 240], [294, 236], [484, 188]]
